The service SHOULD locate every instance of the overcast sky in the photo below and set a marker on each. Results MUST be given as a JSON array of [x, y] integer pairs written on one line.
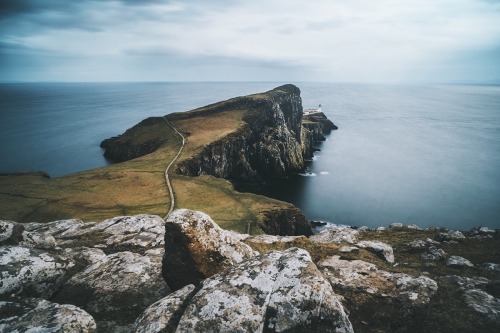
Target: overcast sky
[[254, 40]]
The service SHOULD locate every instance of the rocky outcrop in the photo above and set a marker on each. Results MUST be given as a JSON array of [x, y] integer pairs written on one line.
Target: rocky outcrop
[[137, 141], [39, 315], [319, 125], [89, 266], [458, 261], [361, 276], [164, 315], [275, 292], [336, 234], [381, 249], [31, 272], [197, 248], [285, 222], [116, 289], [139, 233]]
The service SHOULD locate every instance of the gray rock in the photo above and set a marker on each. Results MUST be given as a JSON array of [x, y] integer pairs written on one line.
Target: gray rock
[[489, 266], [140, 232], [85, 256], [363, 277], [466, 283], [115, 290], [419, 290], [161, 316], [336, 234], [348, 249], [381, 249], [38, 315], [433, 253], [449, 236], [13, 233], [31, 272], [483, 303], [10, 232], [197, 248], [417, 243], [274, 292], [414, 227], [458, 261], [269, 239]]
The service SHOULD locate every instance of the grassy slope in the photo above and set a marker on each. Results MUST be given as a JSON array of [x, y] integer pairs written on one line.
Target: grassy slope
[[138, 186]]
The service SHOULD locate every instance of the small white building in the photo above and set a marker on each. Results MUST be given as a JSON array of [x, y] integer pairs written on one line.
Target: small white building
[[312, 111]]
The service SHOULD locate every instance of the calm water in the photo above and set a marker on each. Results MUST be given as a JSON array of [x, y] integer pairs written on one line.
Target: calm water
[[428, 155]]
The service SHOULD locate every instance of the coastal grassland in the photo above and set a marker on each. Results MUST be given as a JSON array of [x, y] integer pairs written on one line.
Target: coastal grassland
[[128, 188], [200, 129], [230, 209], [138, 186]]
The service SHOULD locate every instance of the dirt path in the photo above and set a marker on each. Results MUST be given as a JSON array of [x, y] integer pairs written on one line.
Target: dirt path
[[167, 179]]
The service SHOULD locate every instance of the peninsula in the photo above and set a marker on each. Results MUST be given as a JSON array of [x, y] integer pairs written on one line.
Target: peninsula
[[101, 258]]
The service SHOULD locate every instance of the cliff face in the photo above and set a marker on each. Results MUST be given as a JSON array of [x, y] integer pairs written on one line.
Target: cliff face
[[271, 144]]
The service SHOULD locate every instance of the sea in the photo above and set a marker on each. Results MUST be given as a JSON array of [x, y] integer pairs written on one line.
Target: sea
[[414, 154]]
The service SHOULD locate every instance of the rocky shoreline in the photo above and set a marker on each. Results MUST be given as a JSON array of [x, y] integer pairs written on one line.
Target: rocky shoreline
[[107, 277]]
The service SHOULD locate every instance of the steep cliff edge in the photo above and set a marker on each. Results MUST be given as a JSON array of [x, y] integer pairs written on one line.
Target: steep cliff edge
[[272, 143]]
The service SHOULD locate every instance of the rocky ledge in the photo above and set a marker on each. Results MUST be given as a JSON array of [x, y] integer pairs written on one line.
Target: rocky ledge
[[118, 276]]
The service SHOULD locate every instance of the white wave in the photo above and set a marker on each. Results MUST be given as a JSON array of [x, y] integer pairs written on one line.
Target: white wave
[[324, 173], [308, 174]]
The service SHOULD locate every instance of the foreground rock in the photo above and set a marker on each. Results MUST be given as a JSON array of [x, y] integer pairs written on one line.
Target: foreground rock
[[38, 315], [379, 248], [275, 292], [197, 248], [361, 276], [31, 272], [117, 288], [140, 232], [336, 235]]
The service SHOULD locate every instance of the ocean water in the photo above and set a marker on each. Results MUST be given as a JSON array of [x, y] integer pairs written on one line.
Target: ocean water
[[428, 155]]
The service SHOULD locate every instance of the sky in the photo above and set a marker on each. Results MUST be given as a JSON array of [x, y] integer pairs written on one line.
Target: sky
[[258, 40]]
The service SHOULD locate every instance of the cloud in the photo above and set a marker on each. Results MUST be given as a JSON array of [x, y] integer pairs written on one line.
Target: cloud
[[321, 40]]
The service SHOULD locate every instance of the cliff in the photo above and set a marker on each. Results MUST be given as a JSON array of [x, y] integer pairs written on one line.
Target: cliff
[[272, 143]]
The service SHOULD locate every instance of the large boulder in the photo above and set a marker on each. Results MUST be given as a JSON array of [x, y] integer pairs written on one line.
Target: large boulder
[[31, 272], [459, 261], [197, 248], [138, 233], [38, 315], [162, 315], [116, 288], [381, 249], [336, 234], [13, 233], [274, 292]]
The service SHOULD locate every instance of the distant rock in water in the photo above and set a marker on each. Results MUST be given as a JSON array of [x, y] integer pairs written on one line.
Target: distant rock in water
[[142, 139]]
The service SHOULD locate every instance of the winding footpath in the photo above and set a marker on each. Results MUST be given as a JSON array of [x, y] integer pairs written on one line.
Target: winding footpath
[[167, 179]]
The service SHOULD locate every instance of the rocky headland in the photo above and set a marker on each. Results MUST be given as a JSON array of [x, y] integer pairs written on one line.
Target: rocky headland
[[252, 264]]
